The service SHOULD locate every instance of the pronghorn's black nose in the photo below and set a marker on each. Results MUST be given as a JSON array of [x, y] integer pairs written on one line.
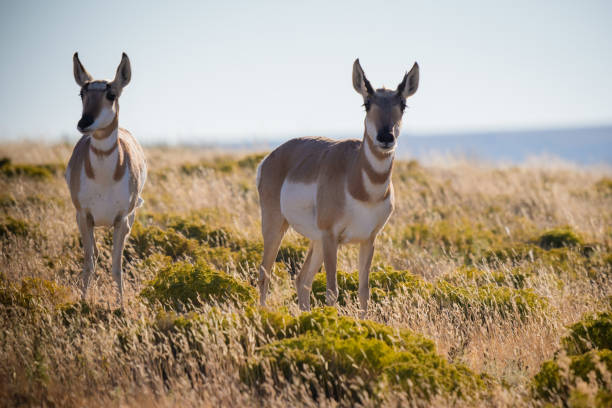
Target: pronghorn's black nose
[[85, 121], [385, 137]]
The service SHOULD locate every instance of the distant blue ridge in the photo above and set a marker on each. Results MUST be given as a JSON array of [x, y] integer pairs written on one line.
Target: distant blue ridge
[[592, 145], [582, 146]]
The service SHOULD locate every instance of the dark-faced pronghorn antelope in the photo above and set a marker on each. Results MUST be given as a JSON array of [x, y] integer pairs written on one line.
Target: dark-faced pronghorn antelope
[[333, 192], [107, 169]]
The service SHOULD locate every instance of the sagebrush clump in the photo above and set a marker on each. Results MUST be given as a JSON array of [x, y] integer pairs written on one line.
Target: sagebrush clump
[[581, 373], [338, 348], [183, 284]]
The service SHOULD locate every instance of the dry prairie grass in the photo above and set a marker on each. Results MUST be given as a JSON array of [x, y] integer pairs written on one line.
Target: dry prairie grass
[[450, 217]]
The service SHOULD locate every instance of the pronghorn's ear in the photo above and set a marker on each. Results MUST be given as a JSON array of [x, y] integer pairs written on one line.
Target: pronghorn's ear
[[410, 83], [81, 76], [124, 73], [360, 82]]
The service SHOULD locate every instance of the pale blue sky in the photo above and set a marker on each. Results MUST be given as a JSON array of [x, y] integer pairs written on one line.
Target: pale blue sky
[[217, 71]]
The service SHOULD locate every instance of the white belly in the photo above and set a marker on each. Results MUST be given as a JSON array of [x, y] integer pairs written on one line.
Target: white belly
[[358, 222], [297, 202], [105, 199], [361, 220]]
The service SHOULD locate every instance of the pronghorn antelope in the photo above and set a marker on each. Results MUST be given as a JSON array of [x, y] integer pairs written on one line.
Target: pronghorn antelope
[[107, 169], [333, 192]]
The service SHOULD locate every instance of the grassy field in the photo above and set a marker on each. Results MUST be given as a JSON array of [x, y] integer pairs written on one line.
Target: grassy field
[[491, 287]]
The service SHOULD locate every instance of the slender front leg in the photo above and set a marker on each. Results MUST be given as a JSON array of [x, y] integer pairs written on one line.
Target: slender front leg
[[330, 258], [120, 234], [366, 250], [303, 282], [86, 228]]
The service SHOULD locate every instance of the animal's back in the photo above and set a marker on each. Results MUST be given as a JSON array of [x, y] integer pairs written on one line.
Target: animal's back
[[289, 179], [298, 160]]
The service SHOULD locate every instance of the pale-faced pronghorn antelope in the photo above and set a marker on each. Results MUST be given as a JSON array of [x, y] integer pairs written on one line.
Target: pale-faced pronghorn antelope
[[333, 192], [107, 169]]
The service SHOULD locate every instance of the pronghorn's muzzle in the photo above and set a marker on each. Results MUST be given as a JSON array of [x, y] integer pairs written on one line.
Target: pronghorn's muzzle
[[86, 121], [385, 138]]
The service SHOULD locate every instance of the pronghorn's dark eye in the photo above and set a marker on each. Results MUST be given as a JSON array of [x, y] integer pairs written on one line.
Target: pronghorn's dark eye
[[367, 105], [81, 94], [403, 105], [110, 96]]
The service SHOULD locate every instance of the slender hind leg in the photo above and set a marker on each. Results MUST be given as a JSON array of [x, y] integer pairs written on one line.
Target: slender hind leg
[[303, 282], [120, 234], [273, 227], [86, 228]]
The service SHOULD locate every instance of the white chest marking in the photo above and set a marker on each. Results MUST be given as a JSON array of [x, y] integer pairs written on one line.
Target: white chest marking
[[104, 197], [374, 190], [106, 143], [360, 220]]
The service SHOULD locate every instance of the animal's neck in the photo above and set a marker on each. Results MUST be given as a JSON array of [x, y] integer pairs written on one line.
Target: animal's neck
[[373, 168], [105, 141], [381, 162]]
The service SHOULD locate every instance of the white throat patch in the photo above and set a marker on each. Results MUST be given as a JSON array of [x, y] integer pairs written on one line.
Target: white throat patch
[[379, 165]]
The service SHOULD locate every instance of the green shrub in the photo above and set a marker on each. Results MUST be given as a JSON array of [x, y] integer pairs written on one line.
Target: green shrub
[[592, 332], [482, 299], [512, 253], [251, 161], [608, 259], [557, 379], [293, 256], [383, 283], [213, 237], [147, 240], [462, 238], [473, 298], [35, 171], [184, 285], [7, 201], [515, 278], [180, 238], [559, 238], [33, 293], [348, 286], [604, 186], [337, 349], [242, 251], [90, 313], [223, 164], [11, 226]]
